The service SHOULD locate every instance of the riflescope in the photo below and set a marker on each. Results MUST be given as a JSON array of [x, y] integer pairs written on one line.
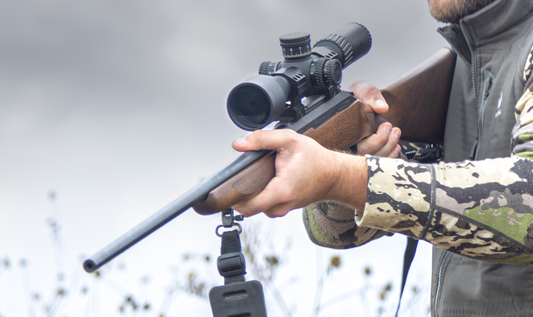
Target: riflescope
[[278, 92]]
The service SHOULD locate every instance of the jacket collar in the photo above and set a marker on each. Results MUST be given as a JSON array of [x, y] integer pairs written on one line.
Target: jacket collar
[[494, 19]]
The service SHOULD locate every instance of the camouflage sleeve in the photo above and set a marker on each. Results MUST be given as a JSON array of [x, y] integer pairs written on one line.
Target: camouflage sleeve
[[332, 225], [522, 134], [480, 209]]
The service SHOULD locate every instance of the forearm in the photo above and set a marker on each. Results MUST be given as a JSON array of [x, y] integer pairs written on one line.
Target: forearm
[[351, 177], [478, 209]]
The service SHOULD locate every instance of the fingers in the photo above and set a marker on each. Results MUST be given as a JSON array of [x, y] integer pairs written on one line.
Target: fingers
[[383, 143], [270, 202], [270, 199], [304, 172], [370, 95]]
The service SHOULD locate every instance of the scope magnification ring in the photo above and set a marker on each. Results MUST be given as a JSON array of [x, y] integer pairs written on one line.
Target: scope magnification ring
[[317, 73], [333, 72]]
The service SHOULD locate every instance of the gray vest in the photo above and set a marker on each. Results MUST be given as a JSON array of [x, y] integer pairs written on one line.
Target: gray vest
[[492, 46]]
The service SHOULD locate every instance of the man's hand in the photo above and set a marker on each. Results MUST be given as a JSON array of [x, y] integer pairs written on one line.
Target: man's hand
[[305, 172], [385, 141]]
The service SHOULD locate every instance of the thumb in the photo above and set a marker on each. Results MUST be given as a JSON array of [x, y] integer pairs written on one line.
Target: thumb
[[265, 140], [240, 145], [370, 95]]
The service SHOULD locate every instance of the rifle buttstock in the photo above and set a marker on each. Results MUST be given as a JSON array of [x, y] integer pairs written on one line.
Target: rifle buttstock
[[418, 100]]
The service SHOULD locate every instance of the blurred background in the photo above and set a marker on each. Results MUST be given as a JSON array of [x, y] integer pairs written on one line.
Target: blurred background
[[111, 109]]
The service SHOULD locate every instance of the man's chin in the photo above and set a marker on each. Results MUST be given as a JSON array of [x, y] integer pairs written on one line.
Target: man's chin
[[452, 11]]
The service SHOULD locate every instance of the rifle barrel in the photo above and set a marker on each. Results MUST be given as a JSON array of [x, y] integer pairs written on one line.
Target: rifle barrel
[[194, 196]]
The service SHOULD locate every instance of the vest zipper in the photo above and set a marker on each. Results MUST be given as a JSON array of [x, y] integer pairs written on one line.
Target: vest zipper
[[440, 276], [473, 55], [473, 63], [486, 92]]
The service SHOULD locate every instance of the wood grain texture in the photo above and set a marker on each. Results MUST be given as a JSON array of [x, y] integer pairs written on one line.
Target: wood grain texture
[[418, 103], [418, 100], [242, 186]]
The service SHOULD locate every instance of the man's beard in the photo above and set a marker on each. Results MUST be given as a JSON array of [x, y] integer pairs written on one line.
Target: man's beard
[[454, 10]]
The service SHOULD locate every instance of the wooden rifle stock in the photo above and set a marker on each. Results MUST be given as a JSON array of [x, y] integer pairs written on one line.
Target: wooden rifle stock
[[418, 104], [419, 99]]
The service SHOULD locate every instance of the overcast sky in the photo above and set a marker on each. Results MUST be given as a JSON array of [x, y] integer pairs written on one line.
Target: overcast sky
[[119, 107]]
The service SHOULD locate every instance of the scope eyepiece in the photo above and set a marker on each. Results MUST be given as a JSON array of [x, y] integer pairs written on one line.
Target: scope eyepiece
[[264, 98], [351, 42]]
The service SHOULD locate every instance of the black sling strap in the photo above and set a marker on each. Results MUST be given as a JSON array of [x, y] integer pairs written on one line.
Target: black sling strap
[[408, 257]]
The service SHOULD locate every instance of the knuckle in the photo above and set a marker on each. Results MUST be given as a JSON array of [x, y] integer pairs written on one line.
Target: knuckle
[[287, 196], [275, 212], [292, 139], [358, 89], [243, 211], [271, 214], [372, 90], [257, 135], [362, 149], [364, 90], [382, 138], [288, 132], [379, 140], [358, 85], [290, 136]]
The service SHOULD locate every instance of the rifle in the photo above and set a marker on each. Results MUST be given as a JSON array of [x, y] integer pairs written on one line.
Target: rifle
[[303, 94]]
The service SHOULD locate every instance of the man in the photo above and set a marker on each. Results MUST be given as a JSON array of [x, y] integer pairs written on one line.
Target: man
[[476, 209]]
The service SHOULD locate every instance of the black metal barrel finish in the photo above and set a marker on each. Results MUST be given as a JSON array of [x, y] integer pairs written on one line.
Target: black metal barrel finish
[[195, 195]]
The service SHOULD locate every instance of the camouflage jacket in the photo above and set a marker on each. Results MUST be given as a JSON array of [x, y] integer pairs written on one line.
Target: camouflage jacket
[[480, 208]]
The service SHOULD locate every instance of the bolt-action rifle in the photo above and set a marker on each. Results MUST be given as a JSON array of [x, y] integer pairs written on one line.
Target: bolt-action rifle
[[302, 93]]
